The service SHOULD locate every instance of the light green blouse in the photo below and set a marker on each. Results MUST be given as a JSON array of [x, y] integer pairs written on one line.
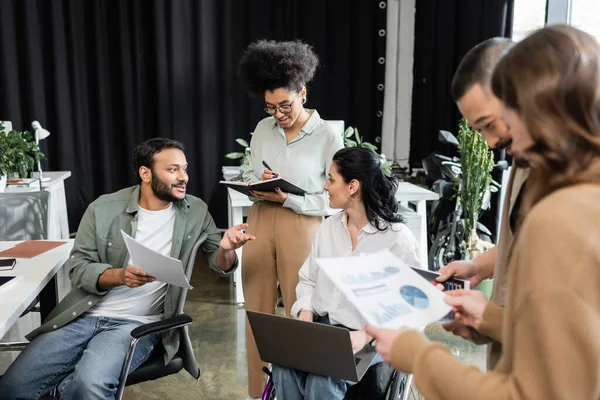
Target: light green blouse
[[304, 161]]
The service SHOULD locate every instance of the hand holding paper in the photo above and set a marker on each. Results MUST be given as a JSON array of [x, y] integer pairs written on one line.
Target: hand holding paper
[[278, 196], [163, 268], [468, 306], [135, 277], [385, 339]]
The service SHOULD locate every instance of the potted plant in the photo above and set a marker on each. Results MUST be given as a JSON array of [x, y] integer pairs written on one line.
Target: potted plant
[[19, 154], [477, 162], [235, 173]]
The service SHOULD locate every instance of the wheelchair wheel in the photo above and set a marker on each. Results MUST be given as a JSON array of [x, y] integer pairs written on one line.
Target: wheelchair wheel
[[402, 388], [269, 392], [398, 387], [411, 390]]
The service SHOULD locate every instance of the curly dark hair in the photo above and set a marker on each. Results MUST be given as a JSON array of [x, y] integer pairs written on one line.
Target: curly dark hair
[[269, 65], [378, 190]]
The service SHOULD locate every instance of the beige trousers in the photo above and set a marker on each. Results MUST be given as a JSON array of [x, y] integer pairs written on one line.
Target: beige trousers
[[283, 242]]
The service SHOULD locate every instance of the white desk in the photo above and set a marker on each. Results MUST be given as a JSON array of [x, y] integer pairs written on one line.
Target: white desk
[[37, 277], [58, 221], [239, 206], [409, 193]]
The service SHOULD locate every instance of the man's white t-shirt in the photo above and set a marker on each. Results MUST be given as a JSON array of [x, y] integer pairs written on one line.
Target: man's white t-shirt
[[144, 303]]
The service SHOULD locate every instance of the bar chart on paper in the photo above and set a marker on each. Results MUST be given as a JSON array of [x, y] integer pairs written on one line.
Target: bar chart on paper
[[385, 313], [354, 279]]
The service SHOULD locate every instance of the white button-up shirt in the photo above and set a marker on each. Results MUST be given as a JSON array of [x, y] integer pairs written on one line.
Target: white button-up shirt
[[317, 293], [304, 161]]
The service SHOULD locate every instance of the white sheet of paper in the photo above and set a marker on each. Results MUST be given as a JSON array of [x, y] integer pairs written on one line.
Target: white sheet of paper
[[163, 268], [386, 291]]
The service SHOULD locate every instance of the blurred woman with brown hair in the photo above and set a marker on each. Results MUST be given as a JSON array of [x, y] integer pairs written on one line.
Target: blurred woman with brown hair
[[549, 85]]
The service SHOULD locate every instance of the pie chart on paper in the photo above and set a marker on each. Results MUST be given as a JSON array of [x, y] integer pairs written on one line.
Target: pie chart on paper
[[414, 296]]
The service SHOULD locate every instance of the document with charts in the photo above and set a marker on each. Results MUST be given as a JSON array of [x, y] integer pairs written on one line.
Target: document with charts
[[387, 292]]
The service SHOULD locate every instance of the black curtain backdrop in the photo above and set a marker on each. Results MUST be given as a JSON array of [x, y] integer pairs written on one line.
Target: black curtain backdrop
[[444, 31], [102, 76]]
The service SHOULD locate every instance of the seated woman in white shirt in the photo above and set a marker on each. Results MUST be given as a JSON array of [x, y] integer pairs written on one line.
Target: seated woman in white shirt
[[368, 223]]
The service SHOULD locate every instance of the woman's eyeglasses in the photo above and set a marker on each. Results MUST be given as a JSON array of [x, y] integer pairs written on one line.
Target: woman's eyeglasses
[[284, 109]]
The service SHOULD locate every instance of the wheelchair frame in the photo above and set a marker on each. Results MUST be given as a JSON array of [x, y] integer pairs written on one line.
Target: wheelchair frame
[[399, 387]]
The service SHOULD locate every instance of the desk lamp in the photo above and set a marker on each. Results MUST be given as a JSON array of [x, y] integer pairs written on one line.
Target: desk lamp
[[40, 134]]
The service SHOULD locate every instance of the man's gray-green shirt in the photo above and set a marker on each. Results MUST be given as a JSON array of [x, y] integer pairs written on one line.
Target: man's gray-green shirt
[[99, 245]]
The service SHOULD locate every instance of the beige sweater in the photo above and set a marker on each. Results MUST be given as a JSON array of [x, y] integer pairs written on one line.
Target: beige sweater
[[551, 326]]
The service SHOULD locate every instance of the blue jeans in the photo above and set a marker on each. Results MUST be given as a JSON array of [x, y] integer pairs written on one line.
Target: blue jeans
[[291, 384], [83, 358]]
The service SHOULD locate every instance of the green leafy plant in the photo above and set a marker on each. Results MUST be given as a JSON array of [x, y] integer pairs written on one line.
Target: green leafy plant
[[244, 157], [353, 139], [477, 162], [19, 153]]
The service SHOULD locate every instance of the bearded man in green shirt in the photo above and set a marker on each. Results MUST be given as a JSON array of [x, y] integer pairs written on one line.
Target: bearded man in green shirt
[[81, 347]]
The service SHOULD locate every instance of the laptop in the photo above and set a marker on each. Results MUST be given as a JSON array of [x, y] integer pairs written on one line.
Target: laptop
[[308, 346]]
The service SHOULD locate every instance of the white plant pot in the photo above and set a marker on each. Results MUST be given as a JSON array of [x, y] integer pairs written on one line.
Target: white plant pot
[[230, 172], [2, 183]]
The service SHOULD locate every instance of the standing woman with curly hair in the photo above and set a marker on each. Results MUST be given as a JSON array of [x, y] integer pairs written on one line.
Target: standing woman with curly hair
[[299, 146]]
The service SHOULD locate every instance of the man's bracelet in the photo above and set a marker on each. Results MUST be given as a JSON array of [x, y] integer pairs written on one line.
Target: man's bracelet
[[123, 276]]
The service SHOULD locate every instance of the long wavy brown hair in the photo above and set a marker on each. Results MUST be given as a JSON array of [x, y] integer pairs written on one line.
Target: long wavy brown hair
[[552, 79]]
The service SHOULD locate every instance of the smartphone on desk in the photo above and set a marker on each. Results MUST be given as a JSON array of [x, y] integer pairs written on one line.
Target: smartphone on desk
[[6, 264]]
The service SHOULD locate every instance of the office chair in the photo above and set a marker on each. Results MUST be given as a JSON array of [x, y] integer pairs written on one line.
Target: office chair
[[154, 367]]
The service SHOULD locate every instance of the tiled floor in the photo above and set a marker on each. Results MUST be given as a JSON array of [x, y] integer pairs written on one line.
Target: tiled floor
[[218, 336]]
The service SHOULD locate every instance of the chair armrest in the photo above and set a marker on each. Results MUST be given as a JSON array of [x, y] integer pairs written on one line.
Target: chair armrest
[[159, 326]]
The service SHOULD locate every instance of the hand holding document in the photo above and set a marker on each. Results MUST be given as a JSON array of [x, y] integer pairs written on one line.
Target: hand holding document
[[387, 292], [165, 269]]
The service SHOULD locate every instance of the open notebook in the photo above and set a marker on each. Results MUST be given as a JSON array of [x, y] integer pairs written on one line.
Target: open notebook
[[264, 186]]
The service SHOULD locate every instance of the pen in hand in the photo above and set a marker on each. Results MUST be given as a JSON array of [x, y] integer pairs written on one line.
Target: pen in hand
[[275, 175]]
